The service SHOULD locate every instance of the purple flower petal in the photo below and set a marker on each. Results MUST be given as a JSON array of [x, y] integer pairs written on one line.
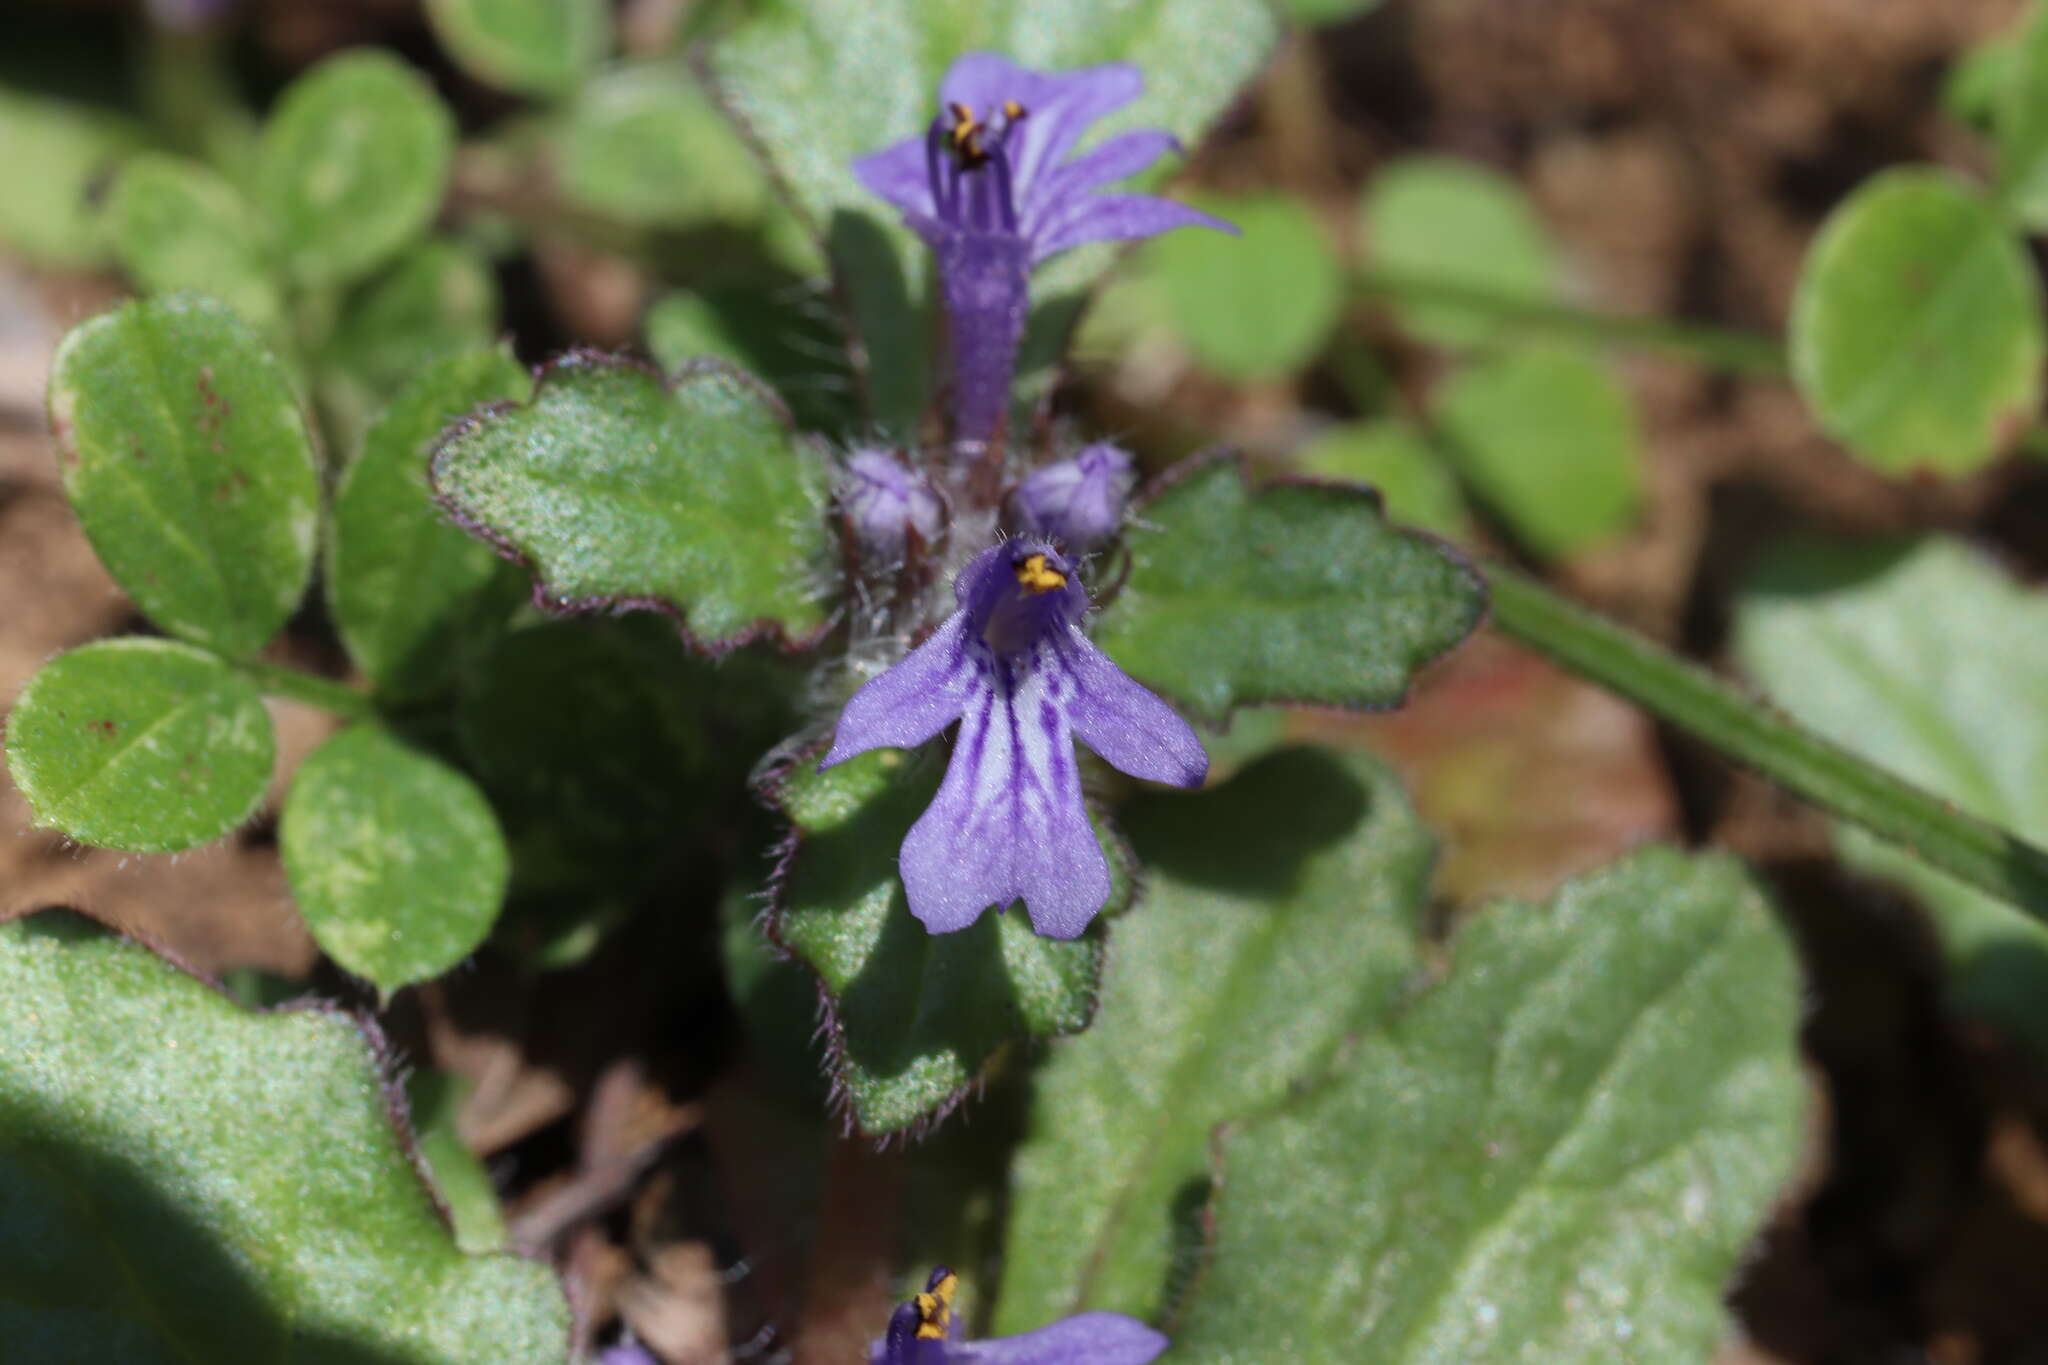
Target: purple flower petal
[[911, 702], [897, 174], [1059, 106], [986, 281], [1119, 719], [1008, 823], [1118, 217], [1084, 1339], [1077, 502], [1118, 158]]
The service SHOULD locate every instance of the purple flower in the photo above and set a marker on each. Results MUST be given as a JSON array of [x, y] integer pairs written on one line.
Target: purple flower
[[885, 503], [1077, 502], [924, 1332], [1014, 668], [990, 187], [628, 1353]]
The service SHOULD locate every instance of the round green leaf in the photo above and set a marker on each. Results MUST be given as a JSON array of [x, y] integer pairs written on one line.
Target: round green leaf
[[394, 857], [1295, 592], [1547, 438], [1256, 306], [177, 225], [1916, 331], [352, 165], [645, 146], [186, 1180], [1397, 460], [2010, 75], [56, 154], [615, 486], [188, 461], [410, 592], [534, 47], [140, 744], [1451, 222], [437, 297]]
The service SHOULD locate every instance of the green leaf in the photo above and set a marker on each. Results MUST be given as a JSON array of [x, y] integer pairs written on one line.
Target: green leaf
[[532, 47], [1281, 912], [2016, 82], [1323, 12], [1295, 592], [410, 593], [394, 857], [437, 297], [645, 146], [1923, 658], [1547, 437], [1559, 1155], [614, 486], [1457, 223], [352, 165], [56, 154], [186, 1180], [459, 1175], [177, 225], [1398, 460], [1255, 307], [188, 461], [1973, 91], [789, 344], [140, 744], [1916, 329], [914, 1020], [821, 85]]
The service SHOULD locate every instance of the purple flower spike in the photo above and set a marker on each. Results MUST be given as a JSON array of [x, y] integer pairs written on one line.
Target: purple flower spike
[[1077, 502], [1014, 668], [885, 503], [990, 187], [924, 1332]]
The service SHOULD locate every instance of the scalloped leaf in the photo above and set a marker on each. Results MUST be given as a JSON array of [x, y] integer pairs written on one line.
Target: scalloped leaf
[[188, 461], [615, 487], [183, 1179], [1282, 910], [395, 858], [914, 1019], [1559, 1154], [1292, 592], [818, 86], [140, 744]]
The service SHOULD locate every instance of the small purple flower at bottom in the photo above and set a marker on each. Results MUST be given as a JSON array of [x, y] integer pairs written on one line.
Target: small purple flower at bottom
[[924, 1332], [1012, 666], [991, 189], [886, 504], [1077, 502]]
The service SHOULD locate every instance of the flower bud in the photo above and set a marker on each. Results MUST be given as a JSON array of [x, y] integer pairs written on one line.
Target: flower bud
[[1077, 502], [884, 501]]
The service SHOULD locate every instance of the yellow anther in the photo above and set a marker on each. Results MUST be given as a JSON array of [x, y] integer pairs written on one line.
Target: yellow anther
[[1013, 110], [1037, 576], [966, 128], [935, 1309]]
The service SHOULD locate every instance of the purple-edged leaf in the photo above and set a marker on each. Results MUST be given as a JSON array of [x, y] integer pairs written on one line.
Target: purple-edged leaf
[[913, 1019], [614, 486], [1292, 592], [183, 1179]]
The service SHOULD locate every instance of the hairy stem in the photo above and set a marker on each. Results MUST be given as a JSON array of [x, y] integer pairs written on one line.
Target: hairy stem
[[324, 693], [1720, 347], [1750, 732]]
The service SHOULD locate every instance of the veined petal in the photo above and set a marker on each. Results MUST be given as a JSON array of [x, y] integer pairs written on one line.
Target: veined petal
[[1084, 1339], [897, 174], [1119, 217], [1008, 823], [1130, 728], [913, 700], [1116, 159], [1059, 106]]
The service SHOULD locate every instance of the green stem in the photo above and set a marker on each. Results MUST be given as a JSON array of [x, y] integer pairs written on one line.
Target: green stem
[[1721, 347], [1749, 732], [324, 693]]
